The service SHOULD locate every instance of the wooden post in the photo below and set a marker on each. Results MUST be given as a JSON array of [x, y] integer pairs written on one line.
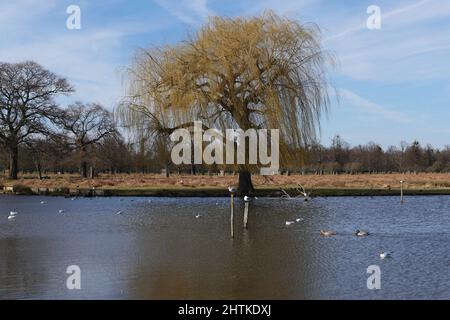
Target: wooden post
[[232, 215], [401, 191], [246, 214]]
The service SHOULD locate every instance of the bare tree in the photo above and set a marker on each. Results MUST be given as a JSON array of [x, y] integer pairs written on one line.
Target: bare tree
[[45, 151], [27, 92], [113, 154], [37, 149], [86, 125]]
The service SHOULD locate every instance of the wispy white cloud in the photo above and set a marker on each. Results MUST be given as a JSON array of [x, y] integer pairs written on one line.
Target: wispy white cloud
[[428, 50], [192, 12], [405, 48], [16, 15], [400, 16], [373, 108], [90, 58], [79, 58]]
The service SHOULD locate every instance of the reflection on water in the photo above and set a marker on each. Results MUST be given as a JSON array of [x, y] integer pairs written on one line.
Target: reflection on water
[[157, 249]]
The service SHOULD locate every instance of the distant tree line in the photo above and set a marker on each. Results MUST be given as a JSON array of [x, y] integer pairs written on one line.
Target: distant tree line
[[114, 154], [340, 157]]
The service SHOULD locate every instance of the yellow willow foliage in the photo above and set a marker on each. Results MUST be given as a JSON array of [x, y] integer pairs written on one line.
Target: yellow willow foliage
[[261, 72]]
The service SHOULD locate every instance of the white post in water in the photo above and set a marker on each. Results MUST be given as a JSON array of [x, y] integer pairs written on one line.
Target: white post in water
[[401, 191], [232, 192], [247, 201]]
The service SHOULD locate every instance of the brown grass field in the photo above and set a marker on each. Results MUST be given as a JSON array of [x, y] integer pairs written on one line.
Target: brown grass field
[[425, 181]]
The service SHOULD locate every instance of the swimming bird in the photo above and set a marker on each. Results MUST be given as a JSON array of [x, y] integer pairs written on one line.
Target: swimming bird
[[232, 189], [299, 219], [384, 255], [42, 202], [246, 198], [327, 233], [288, 223], [13, 213], [61, 211], [11, 217], [198, 216], [119, 212], [303, 193], [360, 233]]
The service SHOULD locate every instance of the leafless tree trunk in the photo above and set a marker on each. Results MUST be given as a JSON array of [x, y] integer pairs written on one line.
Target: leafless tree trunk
[[26, 100], [13, 160], [86, 125]]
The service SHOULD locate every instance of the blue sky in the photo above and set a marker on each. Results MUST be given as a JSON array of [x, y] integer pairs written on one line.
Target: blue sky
[[393, 83]]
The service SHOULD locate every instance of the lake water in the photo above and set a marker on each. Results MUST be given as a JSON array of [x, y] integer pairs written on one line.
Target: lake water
[[158, 249]]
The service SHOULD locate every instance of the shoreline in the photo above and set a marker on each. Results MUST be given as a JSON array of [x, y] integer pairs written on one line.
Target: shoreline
[[184, 185], [218, 192]]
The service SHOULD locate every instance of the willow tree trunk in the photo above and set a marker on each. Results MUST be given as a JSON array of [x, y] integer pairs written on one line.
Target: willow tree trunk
[[245, 176], [167, 170], [13, 161], [245, 183]]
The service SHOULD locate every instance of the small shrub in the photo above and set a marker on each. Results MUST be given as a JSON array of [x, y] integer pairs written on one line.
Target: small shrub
[[21, 189]]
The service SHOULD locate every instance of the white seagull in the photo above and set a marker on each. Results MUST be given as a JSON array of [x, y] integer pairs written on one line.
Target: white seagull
[[384, 255], [12, 215], [360, 233], [232, 189], [288, 223]]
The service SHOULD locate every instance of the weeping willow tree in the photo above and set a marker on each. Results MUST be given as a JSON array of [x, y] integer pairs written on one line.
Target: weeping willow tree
[[266, 72]]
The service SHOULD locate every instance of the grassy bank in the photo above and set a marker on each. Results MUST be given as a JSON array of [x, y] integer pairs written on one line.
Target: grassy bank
[[218, 192], [204, 185]]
